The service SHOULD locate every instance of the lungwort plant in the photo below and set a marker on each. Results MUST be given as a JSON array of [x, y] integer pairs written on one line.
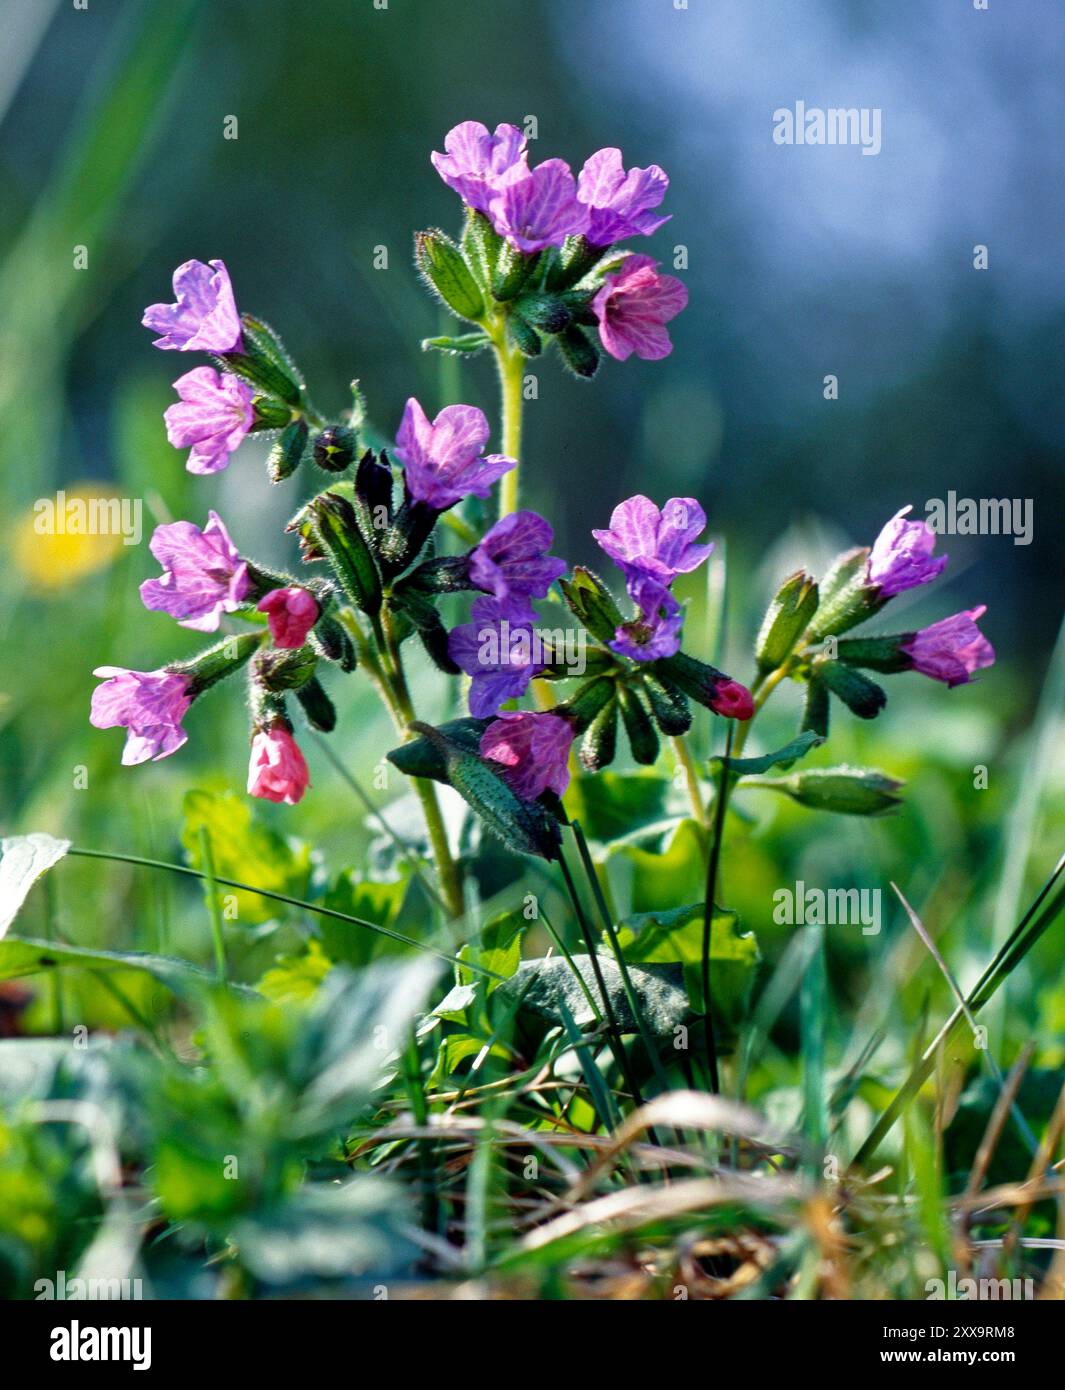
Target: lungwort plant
[[420, 551]]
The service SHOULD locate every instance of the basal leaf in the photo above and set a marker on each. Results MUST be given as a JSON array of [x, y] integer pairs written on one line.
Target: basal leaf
[[23, 859]]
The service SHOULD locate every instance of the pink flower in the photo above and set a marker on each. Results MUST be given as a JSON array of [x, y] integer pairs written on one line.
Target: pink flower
[[633, 308], [620, 203], [292, 613], [952, 649], [476, 161], [533, 749], [150, 704], [277, 771], [443, 459], [213, 416], [203, 574], [205, 317], [901, 557], [732, 700], [534, 208]]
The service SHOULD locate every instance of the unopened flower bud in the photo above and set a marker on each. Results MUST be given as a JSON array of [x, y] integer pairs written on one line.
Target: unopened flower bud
[[334, 448]]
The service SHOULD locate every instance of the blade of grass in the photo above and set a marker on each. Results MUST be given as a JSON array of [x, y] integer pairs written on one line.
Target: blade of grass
[[1043, 912], [316, 908], [712, 870]]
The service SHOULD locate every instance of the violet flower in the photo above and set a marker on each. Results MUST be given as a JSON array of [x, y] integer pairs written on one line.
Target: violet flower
[[620, 203], [204, 318], [291, 612], [633, 308], [277, 770], [533, 748], [476, 160], [203, 574], [149, 704], [952, 649], [534, 208], [443, 459], [512, 559], [642, 540], [655, 631], [499, 649], [213, 416], [901, 557]]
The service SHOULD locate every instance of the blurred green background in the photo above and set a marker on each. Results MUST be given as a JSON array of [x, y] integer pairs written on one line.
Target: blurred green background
[[801, 263]]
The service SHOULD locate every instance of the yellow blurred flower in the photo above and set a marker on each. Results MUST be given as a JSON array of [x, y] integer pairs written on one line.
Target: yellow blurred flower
[[74, 533]]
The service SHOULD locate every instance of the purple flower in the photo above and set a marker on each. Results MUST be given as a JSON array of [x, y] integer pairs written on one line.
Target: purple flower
[[661, 544], [443, 459], [476, 161], [213, 416], [499, 649], [511, 560], [533, 749], [203, 575], [901, 557], [655, 631], [150, 704], [534, 208], [291, 612], [620, 202], [205, 317], [952, 649], [633, 308]]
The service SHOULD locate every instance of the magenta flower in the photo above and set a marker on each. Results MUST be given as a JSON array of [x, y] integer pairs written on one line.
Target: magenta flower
[[901, 557], [203, 574], [633, 308], [533, 749], [213, 416], [660, 544], [511, 559], [292, 612], [476, 161], [620, 203], [655, 631], [205, 317], [443, 459], [952, 649], [277, 770], [150, 704], [534, 208], [499, 649], [732, 700]]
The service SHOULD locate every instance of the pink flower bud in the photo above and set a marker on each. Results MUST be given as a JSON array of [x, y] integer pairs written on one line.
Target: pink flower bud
[[277, 771], [732, 700], [292, 613]]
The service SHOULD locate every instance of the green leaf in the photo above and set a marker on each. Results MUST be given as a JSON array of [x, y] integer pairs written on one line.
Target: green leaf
[[654, 879], [462, 343], [848, 791], [245, 849], [523, 826], [23, 859], [799, 746], [423, 758], [658, 988], [499, 946], [358, 896], [295, 979], [676, 934], [21, 956]]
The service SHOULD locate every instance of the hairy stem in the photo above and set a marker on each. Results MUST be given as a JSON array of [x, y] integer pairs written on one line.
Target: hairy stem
[[510, 362], [683, 753]]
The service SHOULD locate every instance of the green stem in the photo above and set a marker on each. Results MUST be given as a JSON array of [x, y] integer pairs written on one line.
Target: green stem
[[510, 363], [683, 753], [215, 912]]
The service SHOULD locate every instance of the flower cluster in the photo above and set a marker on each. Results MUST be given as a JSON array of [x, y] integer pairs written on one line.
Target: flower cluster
[[538, 260], [540, 256]]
